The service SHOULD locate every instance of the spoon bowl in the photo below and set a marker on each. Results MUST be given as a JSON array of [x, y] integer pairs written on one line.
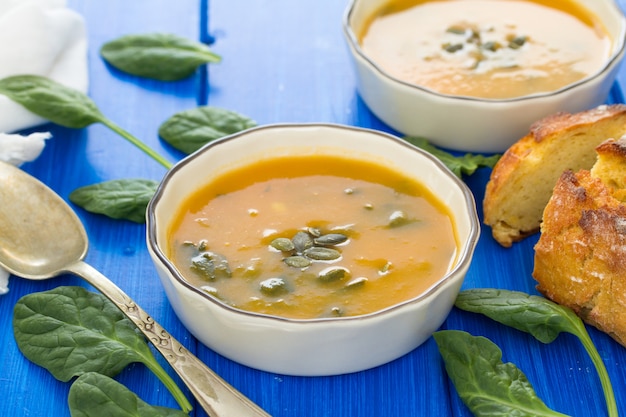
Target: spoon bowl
[[41, 237], [26, 247]]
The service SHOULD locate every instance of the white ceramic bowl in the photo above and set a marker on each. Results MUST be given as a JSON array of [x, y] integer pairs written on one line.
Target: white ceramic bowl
[[316, 346], [473, 124]]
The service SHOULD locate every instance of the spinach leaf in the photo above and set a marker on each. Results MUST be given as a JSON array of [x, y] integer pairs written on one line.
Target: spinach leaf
[[118, 199], [536, 315], [51, 100], [64, 106], [189, 130], [487, 386], [71, 331], [162, 56], [95, 395], [540, 317], [460, 165]]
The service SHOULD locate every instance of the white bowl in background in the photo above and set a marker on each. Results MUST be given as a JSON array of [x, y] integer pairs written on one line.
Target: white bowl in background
[[468, 123]]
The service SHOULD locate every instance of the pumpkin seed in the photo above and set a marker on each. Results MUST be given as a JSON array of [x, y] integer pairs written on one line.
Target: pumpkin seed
[[322, 254], [385, 269], [283, 244], [474, 36], [203, 245], [368, 206], [302, 241], [457, 30], [314, 231], [273, 286], [334, 273], [211, 266], [336, 312], [399, 218], [330, 239], [452, 47], [357, 282], [297, 261], [517, 42], [491, 46]]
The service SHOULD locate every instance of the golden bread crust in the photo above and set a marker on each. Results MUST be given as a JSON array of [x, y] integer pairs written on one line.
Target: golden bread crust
[[610, 167], [522, 181], [580, 258]]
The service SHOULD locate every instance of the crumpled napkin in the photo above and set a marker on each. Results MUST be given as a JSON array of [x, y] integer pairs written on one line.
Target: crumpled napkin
[[4, 281], [17, 149], [38, 37]]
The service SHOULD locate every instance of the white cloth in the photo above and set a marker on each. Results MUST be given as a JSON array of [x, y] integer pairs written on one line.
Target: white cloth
[[37, 37], [17, 149], [4, 282], [40, 37]]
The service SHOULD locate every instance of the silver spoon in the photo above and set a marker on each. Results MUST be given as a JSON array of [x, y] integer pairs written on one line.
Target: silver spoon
[[41, 237]]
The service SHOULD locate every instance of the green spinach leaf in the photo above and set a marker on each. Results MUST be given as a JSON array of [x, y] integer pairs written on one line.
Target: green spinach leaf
[[64, 106], [536, 315], [460, 165], [486, 385], [119, 199], [71, 331], [95, 395], [189, 130], [540, 317], [162, 56], [51, 100]]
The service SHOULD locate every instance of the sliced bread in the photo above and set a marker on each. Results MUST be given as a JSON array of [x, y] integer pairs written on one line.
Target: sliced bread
[[523, 179]]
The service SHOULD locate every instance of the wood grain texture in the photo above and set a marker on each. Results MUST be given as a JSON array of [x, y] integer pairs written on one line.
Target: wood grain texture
[[283, 61]]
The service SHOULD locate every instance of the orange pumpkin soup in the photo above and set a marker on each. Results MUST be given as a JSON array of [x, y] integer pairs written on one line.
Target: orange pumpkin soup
[[315, 236], [495, 49]]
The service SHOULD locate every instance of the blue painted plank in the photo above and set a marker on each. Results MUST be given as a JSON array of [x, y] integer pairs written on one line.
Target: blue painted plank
[[290, 64], [74, 158], [284, 61]]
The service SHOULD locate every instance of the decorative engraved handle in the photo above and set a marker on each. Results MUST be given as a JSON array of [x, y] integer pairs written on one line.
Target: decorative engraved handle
[[216, 396]]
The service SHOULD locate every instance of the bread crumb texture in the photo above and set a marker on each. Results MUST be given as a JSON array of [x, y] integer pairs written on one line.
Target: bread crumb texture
[[580, 258]]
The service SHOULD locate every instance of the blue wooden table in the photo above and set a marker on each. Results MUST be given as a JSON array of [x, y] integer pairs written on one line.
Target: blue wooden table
[[283, 61]]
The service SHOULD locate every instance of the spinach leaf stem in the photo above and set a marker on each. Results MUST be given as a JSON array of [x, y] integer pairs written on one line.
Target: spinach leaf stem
[[593, 353], [139, 144], [169, 383], [542, 318]]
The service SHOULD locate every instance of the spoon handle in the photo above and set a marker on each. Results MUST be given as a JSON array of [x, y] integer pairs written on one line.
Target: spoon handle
[[216, 396]]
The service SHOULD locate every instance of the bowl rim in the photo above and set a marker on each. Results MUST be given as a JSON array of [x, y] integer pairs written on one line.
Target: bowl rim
[[613, 59], [466, 247]]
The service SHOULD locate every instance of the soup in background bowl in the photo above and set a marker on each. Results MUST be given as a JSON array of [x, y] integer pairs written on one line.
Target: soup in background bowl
[[493, 49], [332, 342], [468, 84]]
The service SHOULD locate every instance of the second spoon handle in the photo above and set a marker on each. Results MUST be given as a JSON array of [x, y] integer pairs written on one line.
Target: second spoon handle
[[216, 396]]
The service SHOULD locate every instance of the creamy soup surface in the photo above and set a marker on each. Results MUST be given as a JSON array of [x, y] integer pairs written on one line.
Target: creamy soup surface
[[494, 49], [384, 238]]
